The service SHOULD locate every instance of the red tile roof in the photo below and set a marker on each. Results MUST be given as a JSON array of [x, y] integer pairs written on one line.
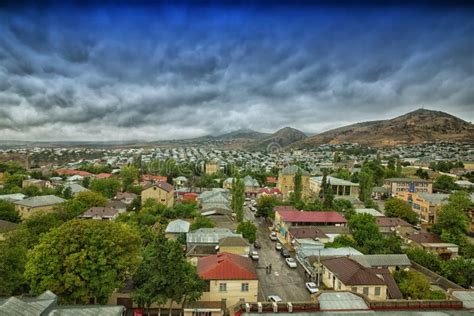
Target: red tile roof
[[269, 191], [311, 216], [103, 175], [73, 172], [151, 177], [271, 180], [226, 266]]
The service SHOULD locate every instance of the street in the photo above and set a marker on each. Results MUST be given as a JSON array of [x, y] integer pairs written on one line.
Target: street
[[283, 281]]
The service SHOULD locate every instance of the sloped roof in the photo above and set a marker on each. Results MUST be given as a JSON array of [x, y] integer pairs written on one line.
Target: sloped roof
[[292, 169], [384, 260], [370, 211], [424, 237], [233, 241], [177, 226], [102, 212], [37, 201], [28, 306], [390, 221], [312, 217], [351, 272], [162, 185], [306, 232], [226, 266], [335, 181], [75, 188]]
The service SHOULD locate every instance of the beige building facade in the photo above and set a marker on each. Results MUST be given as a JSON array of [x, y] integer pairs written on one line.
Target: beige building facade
[[161, 192], [286, 181]]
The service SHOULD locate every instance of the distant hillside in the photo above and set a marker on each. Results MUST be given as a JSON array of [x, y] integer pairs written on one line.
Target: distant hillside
[[242, 134], [280, 139], [412, 128]]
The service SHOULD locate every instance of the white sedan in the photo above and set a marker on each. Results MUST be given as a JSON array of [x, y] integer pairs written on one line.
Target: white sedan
[[312, 288], [291, 262]]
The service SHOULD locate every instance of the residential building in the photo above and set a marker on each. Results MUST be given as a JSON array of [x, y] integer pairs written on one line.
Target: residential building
[[228, 276], [395, 185], [12, 197], [344, 274], [208, 237], [100, 213], [370, 211], [433, 243], [176, 228], [40, 184], [212, 167], [46, 304], [394, 225], [286, 181], [339, 187], [426, 205], [392, 262], [287, 218], [235, 245], [125, 197], [216, 200], [75, 188], [37, 204], [464, 184], [275, 192], [161, 192]]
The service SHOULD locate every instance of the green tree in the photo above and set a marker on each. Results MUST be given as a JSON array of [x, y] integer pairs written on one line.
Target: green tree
[[365, 186], [201, 222], [265, 205], [328, 197], [445, 183], [298, 188], [425, 258], [451, 224], [341, 241], [8, 212], [67, 193], [107, 187], [90, 199], [12, 264], [129, 175], [459, 270], [82, 260], [238, 198], [248, 231], [412, 284], [86, 182], [395, 207], [366, 234]]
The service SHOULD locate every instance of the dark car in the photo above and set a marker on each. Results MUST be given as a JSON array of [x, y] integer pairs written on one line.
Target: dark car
[[285, 253], [257, 245]]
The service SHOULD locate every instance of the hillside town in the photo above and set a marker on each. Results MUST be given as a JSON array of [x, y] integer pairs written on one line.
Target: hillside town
[[337, 228]]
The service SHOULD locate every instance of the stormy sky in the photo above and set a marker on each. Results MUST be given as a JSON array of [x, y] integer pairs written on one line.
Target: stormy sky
[[151, 72]]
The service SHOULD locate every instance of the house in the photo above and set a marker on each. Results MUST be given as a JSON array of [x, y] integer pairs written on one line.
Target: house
[[189, 197], [150, 178], [125, 197], [392, 262], [12, 197], [100, 213], [286, 219], [119, 206], [40, 184], [46, 304], [426, 205], [234, 244], [212, 167], [180, 181], [394, 225], [395, 185], [339, 187], [228, 276], [37, 204], [271, 180], [75, 188], [5, 227], [176, 228], [208, 236], [433, 243], [275, 192], [286, 181], [370, 211], [380, 193], [464, 184], [103, 175], [216, 200], [344, 274], [161, 192]]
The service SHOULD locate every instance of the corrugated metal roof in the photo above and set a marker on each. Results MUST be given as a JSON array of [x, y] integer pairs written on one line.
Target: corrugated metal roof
[[387, 260], [341, 301], [37, 201], [209, 235], [467, 298], [177, 226]]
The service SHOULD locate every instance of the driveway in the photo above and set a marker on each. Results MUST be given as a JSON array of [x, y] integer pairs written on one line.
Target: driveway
[[287, 283]]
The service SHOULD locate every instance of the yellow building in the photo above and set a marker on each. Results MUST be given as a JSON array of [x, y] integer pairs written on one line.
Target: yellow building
[[37, 204], [212, 167], [339, 187], [230, 277], [344, 274], [286, 181], [235, 245], [161, 192], [426, 205], [396, 185]]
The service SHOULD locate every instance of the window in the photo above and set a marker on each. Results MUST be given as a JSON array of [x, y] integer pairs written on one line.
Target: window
[[377, 291], [338, 285], [354, 289], [245, 287], [222, 287], [365, 290]]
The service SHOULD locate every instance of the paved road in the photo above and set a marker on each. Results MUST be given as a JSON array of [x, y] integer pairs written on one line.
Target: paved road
[[283, 281]]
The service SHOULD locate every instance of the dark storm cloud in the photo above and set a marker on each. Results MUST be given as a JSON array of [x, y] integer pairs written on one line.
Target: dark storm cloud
[[175, 71]]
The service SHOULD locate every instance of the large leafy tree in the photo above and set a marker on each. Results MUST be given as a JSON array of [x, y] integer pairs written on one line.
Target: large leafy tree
[[366, 184], [414, 285], [107, 187], [451, 224], [90, 199], [248, 230], [395, 207], [445, 183], [265, 205], [202, 222], [82, 260], [459, 270], [8, 212], [238, 198], [129, 175]]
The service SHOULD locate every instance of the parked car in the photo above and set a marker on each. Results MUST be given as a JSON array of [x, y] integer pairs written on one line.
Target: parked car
[[278, 246], [254, 255], [285, 253], [291, 262], [312, 288], [273, 236], [257, 245], [274, 298]]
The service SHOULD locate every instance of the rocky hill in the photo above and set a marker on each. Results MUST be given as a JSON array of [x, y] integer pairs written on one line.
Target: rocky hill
[[278, 140], [412, 128]]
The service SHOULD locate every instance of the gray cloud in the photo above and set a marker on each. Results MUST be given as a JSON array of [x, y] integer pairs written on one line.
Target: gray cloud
[[117, 74]]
